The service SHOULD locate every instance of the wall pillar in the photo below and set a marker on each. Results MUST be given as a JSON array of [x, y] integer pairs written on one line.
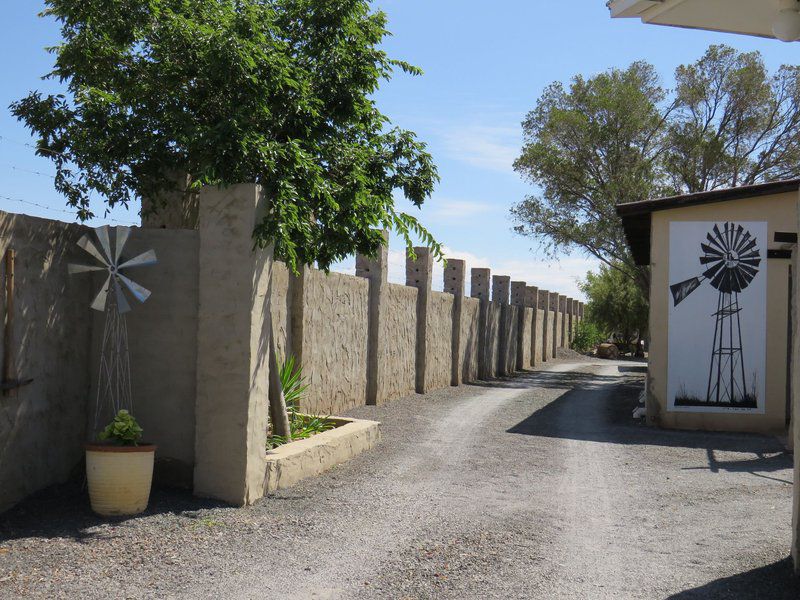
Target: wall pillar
[[232, 346], [501, 293], [523, 336], [419, 274], [570, 322], [532, 302], [376, 270], [479, 288], [547, 327], [454, 279], [553, 304], [562, 310], [795, 387]]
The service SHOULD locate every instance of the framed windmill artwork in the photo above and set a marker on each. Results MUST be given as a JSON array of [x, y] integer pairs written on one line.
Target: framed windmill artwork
[[717, 316]]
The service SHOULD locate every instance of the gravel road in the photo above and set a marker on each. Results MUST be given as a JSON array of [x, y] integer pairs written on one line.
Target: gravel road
[[540, 486]]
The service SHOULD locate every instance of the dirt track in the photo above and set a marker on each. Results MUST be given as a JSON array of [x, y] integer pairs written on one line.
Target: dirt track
[[537, 487]]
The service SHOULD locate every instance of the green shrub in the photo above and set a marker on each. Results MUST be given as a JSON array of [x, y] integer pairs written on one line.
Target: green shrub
[[123, 430], [587, 336], [301, 426]]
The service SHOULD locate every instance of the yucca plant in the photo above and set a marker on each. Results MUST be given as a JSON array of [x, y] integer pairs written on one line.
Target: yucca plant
[[293, 385]]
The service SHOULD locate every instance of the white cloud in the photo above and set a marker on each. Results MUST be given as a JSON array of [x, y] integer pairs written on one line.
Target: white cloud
[[451, 208], [485, 147]]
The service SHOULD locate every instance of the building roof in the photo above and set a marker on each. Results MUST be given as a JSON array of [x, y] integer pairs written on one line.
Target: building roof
[[636, 215], [749, 17]]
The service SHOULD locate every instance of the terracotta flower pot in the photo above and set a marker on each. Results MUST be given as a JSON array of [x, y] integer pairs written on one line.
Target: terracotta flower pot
[[119, 478]]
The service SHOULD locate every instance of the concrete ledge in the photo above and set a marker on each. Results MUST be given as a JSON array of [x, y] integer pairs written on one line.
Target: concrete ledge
[[288, 464]]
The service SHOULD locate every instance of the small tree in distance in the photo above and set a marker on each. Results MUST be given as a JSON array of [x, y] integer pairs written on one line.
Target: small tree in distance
[[616, 304], [274, 92]]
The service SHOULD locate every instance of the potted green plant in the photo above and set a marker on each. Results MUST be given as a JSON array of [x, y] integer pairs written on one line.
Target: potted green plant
[[119, 468]]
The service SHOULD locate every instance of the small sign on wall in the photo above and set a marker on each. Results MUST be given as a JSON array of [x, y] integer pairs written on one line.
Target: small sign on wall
[[717, 316]]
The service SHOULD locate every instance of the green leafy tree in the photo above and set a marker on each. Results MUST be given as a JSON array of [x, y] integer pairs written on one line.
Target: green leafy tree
[[615, 303], [621, 136], [275, 92]]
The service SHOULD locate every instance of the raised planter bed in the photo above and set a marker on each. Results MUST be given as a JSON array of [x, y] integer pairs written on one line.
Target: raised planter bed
[[288, 464]]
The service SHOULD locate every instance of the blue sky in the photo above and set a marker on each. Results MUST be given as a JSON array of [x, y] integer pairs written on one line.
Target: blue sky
[[484, 69]]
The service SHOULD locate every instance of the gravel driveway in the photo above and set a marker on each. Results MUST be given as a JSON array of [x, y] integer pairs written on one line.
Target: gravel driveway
[[541, 486]]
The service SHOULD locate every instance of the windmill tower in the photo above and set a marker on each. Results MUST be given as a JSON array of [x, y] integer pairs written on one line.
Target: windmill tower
[[114, 379], [731, 258]]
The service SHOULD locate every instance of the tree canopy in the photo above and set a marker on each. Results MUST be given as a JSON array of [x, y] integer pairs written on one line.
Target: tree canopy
[[621, 136], [275, 92], [615, 303]]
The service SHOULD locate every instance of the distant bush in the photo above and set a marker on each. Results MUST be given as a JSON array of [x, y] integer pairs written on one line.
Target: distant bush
[[587, 336]]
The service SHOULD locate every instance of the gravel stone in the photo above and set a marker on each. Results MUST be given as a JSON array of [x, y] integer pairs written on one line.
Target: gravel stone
[[538, 486]]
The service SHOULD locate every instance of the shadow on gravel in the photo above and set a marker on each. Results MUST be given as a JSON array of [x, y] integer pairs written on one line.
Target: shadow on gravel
[[63, 511], [598, 409], [774, 581]]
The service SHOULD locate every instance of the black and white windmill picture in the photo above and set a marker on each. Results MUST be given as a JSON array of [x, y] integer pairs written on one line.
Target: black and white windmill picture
[[730, 261]]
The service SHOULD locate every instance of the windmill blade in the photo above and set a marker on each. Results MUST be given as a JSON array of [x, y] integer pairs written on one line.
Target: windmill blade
[[738, 282], [719, 281], [86, 244], [139, 292], [715, 241], [704, 260], [737, 236], [102, 235], [143, 260], [99, 302], [122, 302], [713, 270], [752, 262], [745, 238], [122, 238], [747, 247], [755, 254], [683, 289], [72, 269], [709, 250], [749, 270]]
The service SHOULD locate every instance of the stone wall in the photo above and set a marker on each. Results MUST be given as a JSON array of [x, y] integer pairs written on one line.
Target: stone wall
[[333, 342], [439, 332], [399, 331], [43, 424], [200, 344], [525, 337], [537, 340], [163, 348], [470, 323]]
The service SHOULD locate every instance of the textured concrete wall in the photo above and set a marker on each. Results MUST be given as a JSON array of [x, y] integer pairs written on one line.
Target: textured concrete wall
[[280, 309], [439, 332], [494, 313], [469, 348], [162, 335], [43, 424], [399, 330], [231, 411], [551, 334], [509, 333], [334, 341], [524, 336], [537, 341]]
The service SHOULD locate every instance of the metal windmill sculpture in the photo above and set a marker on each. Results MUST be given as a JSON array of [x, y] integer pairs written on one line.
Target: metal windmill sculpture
[[114, 380], [731, 258]]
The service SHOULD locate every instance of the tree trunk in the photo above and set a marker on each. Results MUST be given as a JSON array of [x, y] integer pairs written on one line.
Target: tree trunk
[[277, 402]]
